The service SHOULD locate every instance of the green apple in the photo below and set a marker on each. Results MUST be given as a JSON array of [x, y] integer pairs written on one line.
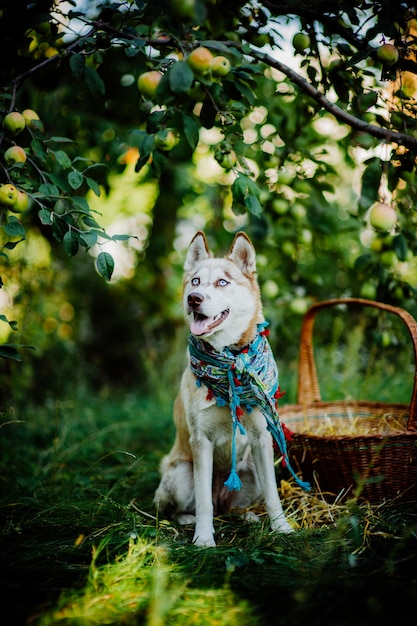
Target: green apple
[[285, 177], [183, 9], [148, 83], [259, 39], [368, 290], [280, 205], [362, 139], [301, 41], [197, 92], [387, 54], [14, 123], [299, 305], [226, 158], [22, 202], [43, 28], [200, 60], [8, 195], [288, 248], [388, 258], [382, 217], [220, 66], [166, 139], [15, 154]]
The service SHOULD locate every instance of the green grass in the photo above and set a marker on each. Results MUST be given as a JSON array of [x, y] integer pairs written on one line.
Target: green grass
[[81, 542]]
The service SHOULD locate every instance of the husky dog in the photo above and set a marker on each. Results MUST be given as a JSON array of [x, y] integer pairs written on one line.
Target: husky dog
[[222, 304]]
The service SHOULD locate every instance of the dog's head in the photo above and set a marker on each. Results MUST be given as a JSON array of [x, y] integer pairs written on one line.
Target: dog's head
[[221, 295]]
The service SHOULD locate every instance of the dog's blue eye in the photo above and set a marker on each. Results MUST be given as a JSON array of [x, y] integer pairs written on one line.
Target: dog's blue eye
[[195, 282], [223, 282]]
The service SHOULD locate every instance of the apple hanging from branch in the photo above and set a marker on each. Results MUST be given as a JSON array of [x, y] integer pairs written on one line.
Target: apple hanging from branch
[[382, 217]]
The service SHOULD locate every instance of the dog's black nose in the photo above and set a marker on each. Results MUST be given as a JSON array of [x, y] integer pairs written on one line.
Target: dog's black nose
[[195, 299]]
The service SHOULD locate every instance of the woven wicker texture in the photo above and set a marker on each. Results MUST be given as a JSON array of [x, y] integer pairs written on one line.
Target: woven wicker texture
[[378, 461]]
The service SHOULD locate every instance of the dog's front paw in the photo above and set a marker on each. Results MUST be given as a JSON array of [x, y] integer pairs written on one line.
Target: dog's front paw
[[280, 525], [204, 540]]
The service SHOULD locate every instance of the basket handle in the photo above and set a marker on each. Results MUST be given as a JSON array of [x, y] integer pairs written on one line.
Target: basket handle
[[308, 385]]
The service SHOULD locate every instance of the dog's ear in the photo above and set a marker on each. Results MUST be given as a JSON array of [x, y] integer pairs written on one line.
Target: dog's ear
[[242, 253], [198, 250]]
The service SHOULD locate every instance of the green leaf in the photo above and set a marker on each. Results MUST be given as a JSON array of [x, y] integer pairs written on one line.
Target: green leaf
[[191, 130], [60, 140], [218, 46], [145, 148], [399, 245], [146, 144], [12, 324], [253, 205], [181, 77], [246, 91], [48, 190], [371, 179], [89, 238], [240, 188], [63, 159], [14, 228], [59, 228], [11, 245], [102, 233], [70, 243], [75, 179], [80, 204], [90, 221], [121, 237], [8, 351], [94, 82], [77, 65], [38, 148], [60, 180], [363, 262], [45, 217], [93, 185], [105, 265]]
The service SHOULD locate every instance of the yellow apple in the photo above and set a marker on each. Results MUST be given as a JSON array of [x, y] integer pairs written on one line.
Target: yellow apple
[[32, 119], [22, 202], [387, 54], [200, 60], [148, 83], [8, 195], [382, 217], [220, 66], [14, 123], [15, 154]]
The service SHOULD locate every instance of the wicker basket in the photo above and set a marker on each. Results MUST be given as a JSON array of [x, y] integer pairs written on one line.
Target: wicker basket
[[374, 465]]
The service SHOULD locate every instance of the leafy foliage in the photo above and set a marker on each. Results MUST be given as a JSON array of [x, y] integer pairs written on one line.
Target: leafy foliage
[[290, 138]]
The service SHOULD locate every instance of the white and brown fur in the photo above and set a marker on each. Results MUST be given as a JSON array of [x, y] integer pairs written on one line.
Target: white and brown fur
[[224, 293]]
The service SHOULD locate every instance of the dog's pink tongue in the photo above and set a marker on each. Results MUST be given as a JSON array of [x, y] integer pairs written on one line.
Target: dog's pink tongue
[[201, 326]]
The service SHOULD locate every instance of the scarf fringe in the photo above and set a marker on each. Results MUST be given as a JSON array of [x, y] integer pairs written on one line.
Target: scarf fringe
[[233, 483]]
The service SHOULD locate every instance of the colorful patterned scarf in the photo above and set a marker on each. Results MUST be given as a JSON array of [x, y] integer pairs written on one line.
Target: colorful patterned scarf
[[244, 378]]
